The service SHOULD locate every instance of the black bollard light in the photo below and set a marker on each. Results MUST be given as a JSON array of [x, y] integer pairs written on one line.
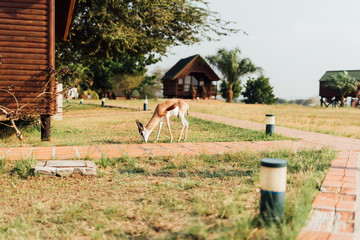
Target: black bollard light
[[270, 124], [273, 186], [103, 102], [145, 103]]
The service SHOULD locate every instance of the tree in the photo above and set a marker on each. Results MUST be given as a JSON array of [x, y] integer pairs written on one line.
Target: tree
[[259, 91], [108, 28], [81, 78], [343, 83], [232, 67], [282, 101], [236, 88], [103, 70], [126, 83], [148, 87], [159, 73]]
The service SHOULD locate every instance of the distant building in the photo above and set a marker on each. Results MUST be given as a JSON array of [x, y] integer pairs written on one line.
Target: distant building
[[330, 96], [190, 77], [73, 93]]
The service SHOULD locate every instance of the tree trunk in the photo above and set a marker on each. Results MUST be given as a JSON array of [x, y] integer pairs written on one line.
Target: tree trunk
[[230, 93], [105, 92], [342, 104], [127, 94]]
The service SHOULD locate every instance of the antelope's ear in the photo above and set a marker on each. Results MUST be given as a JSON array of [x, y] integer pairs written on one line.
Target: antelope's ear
[[139, 124]]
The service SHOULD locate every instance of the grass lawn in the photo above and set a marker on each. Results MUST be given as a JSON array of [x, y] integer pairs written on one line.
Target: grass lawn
[[203, 197], [335, 121], [94, 125]]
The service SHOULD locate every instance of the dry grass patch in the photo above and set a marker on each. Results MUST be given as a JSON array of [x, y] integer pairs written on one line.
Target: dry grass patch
[[335, 121], [204, 197]]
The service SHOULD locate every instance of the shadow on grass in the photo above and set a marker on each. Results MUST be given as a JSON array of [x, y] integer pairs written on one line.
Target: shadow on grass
[[220, 174], [205, 174]]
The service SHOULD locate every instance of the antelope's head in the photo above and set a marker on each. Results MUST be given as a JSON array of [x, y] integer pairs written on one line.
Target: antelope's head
[[144, 134]]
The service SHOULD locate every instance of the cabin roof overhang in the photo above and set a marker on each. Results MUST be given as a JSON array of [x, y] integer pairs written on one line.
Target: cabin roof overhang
[[183, 65], [64, 15]]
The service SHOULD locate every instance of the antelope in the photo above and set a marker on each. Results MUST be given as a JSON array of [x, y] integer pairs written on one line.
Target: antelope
[[171, 107]]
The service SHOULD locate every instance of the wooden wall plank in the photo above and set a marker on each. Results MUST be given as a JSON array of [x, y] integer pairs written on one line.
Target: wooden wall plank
[[23, 45], [23, 33], [24, 67], [24, 90], [27, 1], [8, 80], [23, 16], [22, 11], [23, 22], [23, 50], [29, 106], [23, 5], [22, 61], [21, 94], [21, 72], [24, 39], [22, 27], [23, 100], [19, 99], [23, 56]]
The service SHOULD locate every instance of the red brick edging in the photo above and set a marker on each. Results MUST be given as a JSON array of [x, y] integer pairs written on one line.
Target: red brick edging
[[142, 150]]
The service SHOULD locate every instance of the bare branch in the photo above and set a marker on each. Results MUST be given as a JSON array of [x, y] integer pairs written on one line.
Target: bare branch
[[21, 112]]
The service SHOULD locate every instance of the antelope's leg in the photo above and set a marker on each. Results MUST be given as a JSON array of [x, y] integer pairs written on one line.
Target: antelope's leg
[[186, 129], [182, 129], [168, 125], [160, 125]]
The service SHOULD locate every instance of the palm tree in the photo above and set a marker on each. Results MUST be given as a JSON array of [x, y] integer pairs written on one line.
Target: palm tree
[[82, 77], [232, 67], [344, 84]]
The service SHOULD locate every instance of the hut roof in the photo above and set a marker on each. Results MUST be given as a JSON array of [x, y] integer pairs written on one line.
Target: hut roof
[[353, 73], [64, 15], [184, 64]]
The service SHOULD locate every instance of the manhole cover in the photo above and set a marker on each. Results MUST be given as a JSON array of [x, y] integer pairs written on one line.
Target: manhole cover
[[66, 168]]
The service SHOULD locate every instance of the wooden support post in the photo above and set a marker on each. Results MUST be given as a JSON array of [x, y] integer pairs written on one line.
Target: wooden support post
[[45, 127], [46, 118]]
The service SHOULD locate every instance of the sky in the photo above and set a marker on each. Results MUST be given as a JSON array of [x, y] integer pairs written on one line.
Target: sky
[[295, 42]]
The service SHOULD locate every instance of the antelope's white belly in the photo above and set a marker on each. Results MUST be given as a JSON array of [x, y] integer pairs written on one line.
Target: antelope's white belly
[[175, 112]]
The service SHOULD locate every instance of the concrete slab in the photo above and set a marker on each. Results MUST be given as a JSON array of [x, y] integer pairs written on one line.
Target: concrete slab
[[61, 164], [65, 168]]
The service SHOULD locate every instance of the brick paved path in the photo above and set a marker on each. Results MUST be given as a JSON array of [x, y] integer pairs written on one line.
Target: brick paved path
[[336, 209]]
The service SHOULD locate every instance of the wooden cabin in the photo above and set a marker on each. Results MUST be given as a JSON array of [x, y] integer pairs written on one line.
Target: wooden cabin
[[330, 96], [190, 77], [27, 48]]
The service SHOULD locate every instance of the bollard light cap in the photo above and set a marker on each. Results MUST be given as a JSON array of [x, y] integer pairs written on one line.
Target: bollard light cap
[[273, 162], [270, 115]]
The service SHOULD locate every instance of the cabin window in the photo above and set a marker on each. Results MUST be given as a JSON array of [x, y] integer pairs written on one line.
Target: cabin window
[[201, 83], [194, 81], [186, 87], [188, 80], [181, 81]]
